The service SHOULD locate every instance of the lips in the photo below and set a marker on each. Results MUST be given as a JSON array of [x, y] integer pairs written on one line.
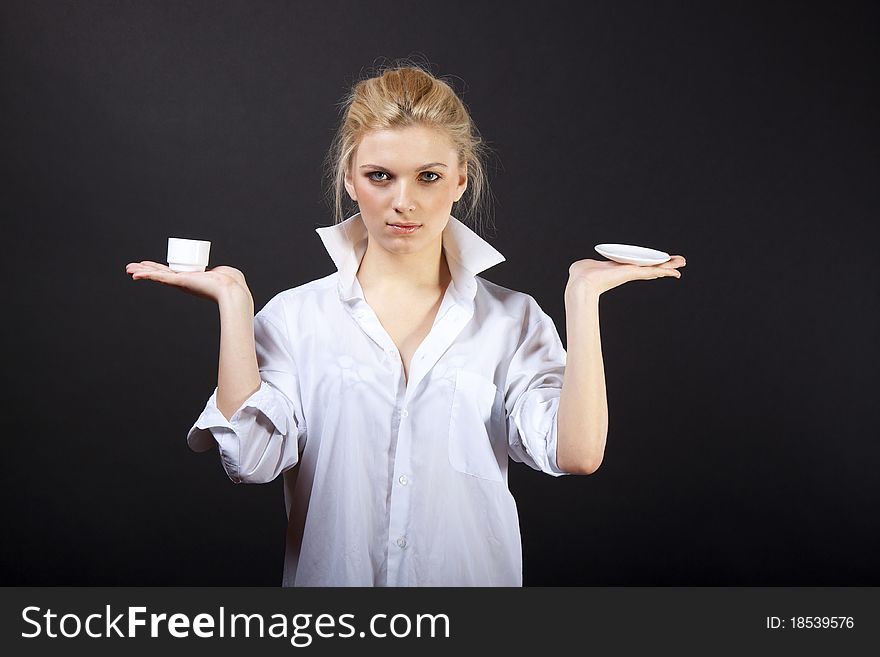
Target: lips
[[403, 229]]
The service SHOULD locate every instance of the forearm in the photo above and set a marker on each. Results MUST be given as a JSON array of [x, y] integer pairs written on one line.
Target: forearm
[[582, 420], [238, 374]]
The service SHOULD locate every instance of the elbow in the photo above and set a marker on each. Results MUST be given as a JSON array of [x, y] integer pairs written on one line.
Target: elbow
[[584, 463], [593, 464], [581, 450], [585, 467], [582, 466]]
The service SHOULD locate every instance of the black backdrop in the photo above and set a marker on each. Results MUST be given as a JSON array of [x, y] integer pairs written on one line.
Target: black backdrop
[[743, 444]]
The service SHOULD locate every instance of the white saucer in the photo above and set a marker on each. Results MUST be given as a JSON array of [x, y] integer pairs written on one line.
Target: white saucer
[[632, 255]]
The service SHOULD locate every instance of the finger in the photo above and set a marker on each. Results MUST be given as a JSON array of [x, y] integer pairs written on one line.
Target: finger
[[660, 271], [136, 269], [672, 263], [155, 265], [139, 267], [169, 277]]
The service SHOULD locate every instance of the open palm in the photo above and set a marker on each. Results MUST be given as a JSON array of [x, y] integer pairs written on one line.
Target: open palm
[[210, 284], [603, 275]]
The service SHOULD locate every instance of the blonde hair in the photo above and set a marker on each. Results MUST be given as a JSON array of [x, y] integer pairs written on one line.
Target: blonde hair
[[401, 95]]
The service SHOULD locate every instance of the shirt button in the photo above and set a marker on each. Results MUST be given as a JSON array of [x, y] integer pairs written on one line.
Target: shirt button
[[401, 542], [403, 479], [404, 413]]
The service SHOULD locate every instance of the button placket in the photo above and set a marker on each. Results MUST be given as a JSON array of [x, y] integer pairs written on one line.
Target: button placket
[[400, 498], [449, 324], [444, 332]]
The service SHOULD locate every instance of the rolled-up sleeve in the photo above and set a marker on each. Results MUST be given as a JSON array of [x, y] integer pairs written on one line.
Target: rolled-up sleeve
[[531, 398], [265, 436]]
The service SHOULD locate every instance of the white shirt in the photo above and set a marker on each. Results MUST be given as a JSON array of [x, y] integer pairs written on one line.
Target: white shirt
[[399, 483]]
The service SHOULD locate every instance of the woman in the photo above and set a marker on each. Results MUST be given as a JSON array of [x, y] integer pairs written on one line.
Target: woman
[[401, 383]]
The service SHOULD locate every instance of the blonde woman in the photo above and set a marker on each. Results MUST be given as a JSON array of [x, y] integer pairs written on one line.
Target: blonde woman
[[391, 393]]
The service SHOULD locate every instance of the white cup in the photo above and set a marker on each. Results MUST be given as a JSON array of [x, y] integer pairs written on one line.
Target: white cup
[[188, 255]]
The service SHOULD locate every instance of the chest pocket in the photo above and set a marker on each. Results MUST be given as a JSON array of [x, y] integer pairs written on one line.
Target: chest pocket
[[470, 448]]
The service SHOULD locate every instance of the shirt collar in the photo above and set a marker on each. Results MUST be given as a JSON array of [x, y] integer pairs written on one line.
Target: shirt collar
[[467, 254]]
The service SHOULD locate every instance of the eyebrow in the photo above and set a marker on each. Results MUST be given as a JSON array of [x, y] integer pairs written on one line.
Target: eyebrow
[[424, 166]]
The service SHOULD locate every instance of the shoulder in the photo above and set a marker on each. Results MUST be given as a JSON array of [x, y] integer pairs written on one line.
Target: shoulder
[[289, 302], [510, 302]]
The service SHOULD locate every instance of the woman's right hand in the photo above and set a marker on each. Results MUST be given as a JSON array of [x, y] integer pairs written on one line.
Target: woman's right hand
[[213, 284]]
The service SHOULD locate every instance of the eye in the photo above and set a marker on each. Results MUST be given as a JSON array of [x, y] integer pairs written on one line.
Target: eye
[[371, 174]]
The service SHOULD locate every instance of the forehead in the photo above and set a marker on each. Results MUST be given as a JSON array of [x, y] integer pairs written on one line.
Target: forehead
[[406, 147]]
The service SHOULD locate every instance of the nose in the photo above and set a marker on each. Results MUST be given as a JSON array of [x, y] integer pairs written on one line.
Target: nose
[[403, 201]]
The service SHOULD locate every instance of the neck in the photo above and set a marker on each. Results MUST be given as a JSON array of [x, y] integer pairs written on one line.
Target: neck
[[382, 269]]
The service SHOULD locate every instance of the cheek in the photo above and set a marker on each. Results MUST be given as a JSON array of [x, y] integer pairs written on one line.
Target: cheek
[[366, 191], [443, 192]]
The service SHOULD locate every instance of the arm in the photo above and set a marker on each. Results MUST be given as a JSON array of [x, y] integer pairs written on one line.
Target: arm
[[532, 388], [238, 375], [582, 418], [255, 414]]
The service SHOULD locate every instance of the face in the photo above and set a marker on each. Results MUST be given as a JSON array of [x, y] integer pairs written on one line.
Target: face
[[406, 176]]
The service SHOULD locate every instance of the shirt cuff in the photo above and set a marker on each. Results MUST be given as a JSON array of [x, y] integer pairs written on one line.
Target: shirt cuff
[[537, 424], [202, 437]]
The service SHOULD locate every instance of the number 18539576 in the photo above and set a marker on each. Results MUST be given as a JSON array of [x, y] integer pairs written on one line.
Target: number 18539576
[[810, 622]]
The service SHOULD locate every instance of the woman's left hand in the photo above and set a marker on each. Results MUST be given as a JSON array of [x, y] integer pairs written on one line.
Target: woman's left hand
[[599, 276]]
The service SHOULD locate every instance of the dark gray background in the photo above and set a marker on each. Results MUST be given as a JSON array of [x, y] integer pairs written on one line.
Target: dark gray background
[[742, 447]]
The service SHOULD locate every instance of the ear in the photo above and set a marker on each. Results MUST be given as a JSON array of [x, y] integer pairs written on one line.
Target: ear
[[462, 182], [349, 185]]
